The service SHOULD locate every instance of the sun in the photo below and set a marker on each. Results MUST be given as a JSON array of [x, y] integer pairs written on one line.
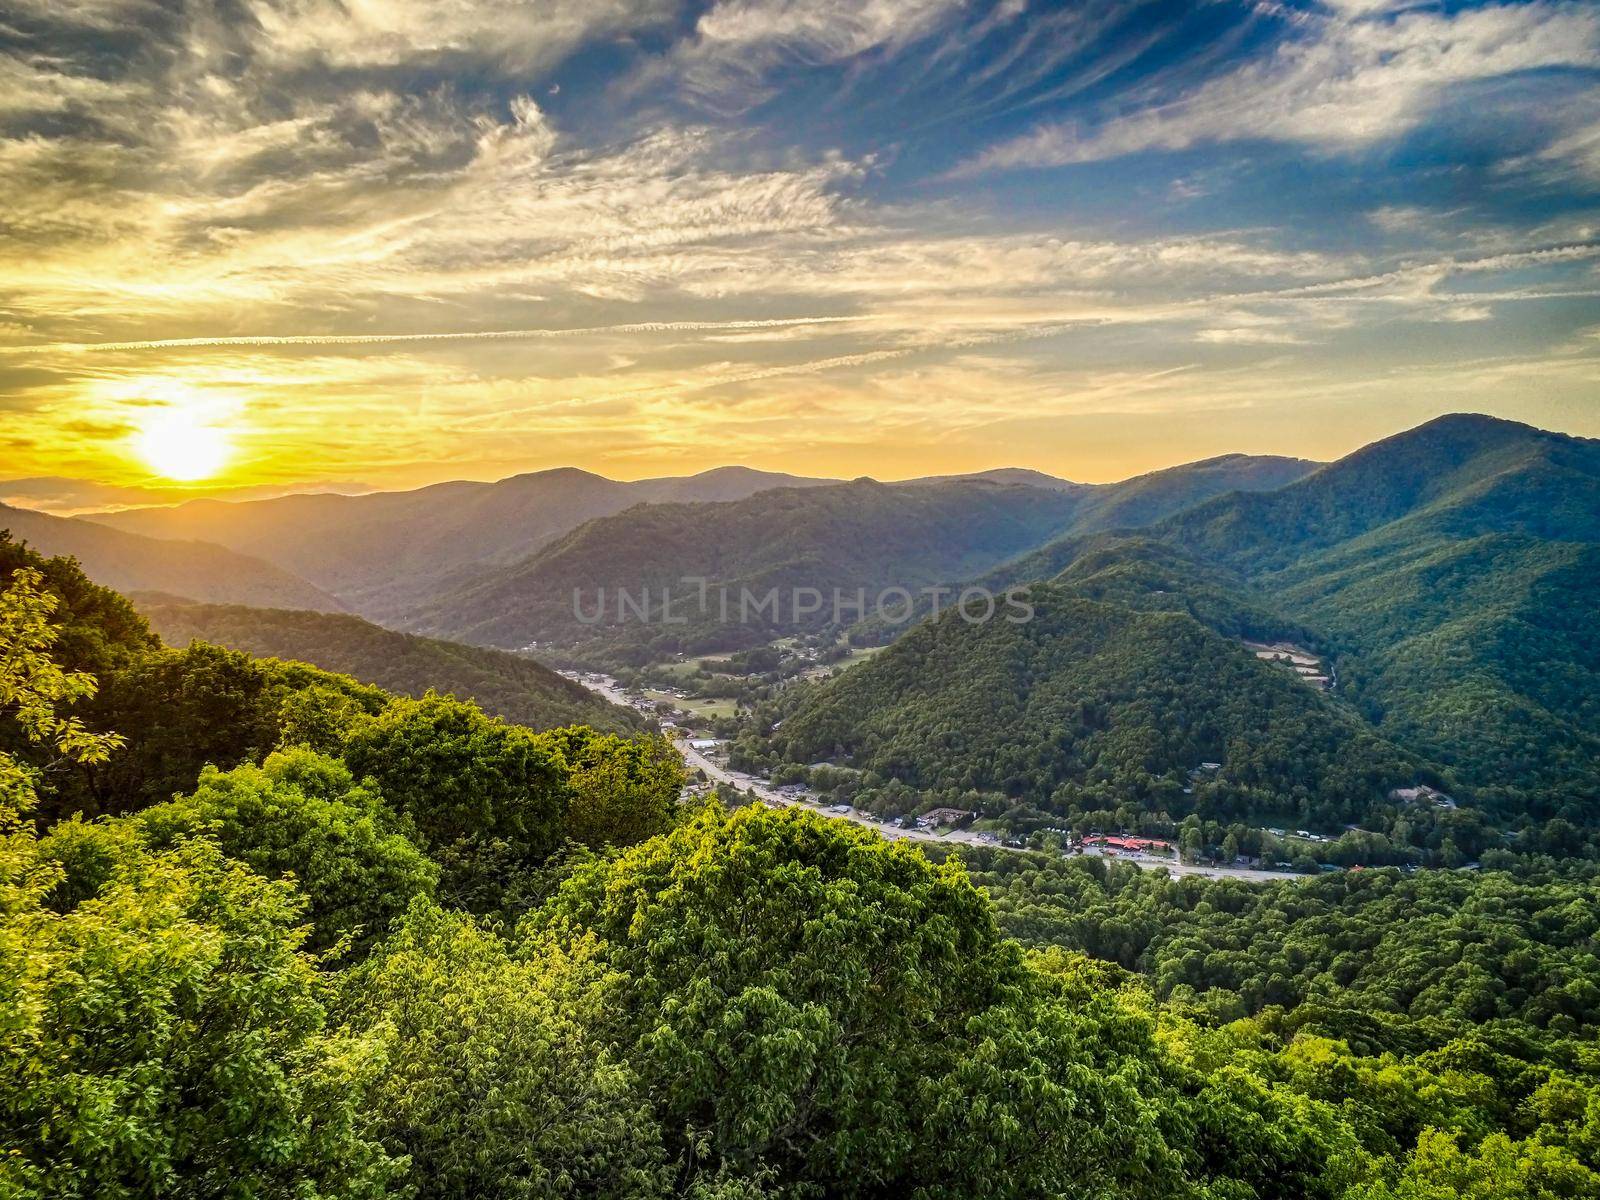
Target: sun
[[183, 445]]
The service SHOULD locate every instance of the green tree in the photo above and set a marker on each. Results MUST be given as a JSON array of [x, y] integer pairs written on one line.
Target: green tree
[[33, 689], [805, 998], [162, 1036], [623, 790], [498, 1084], [301, 814], [165, 1038], [1499, 1168], [180, 710], [488, 800]]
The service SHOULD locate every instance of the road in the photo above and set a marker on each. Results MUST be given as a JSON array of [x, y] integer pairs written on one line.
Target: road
[[716, 772]]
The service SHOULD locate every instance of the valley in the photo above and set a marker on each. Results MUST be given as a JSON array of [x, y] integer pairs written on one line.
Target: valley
[[710, 759], [1325, 637], [799, 600]]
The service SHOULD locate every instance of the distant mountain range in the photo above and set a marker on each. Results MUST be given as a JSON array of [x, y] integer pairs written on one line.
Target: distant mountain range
[[386, 552], [389, 555], [849, 536], [1448, 575], [194, 569]]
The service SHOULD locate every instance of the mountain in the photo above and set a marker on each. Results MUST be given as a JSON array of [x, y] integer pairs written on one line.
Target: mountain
[[1091, 709], [385, 551], [1146, 499], [388, 554], [863, 534], [506, 685], [1014, 475], [1454, 571], [860, 535], [1140, 572], [1456, 476], [1458, 566], [194, 569], [1447, 579]]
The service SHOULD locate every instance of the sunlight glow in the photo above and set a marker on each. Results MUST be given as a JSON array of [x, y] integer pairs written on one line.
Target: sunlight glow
[[182, 445]]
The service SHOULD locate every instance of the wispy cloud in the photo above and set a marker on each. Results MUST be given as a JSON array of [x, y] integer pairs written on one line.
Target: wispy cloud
[[1334, 84], [733, 227], [382, 339]]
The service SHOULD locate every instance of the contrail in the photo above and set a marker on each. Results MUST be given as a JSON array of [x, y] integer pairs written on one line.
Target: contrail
[[377, 339]]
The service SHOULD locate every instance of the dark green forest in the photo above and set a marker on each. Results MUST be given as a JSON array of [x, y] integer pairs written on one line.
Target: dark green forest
[[505, 685], [1091, 707]]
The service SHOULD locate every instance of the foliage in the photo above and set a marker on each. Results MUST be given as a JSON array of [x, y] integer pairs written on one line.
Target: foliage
[[1454, 565], [809, 1001], [487, 800], [32, 686], [301, 814], [1092, 707], [165, 1038], [499, 1084], [505, 685], [622, 790], [1458, 946]]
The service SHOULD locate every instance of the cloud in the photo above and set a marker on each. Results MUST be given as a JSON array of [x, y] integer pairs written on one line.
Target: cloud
[[820, 30], [285, 215], [737, 43], [1334, 85], [385, 339], [1249, 336], [517, 35]]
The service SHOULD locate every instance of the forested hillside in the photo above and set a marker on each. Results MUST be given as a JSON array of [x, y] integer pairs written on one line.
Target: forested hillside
[[1448, 577], [335, 943], [505, 685], [1369, 952], [1457, 476], [1456, 567], [1146, 499], [1095, 713]]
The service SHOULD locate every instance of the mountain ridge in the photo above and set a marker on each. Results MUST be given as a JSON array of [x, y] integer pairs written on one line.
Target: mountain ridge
[[133, 562], [505, 685]]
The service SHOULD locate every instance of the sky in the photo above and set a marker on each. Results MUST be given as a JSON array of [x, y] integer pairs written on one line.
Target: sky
[[250, 246]]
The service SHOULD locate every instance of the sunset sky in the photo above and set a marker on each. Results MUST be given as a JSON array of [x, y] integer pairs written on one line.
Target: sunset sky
[[291, 243]]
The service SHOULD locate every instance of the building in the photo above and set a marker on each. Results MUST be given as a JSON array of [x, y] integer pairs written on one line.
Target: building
[[1422, 794], [944, 816], [1137, 845]]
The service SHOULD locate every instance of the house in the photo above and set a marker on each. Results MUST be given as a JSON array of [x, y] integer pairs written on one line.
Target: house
[[1136, 845], [944, 816], [703, 744], [1422, 794]]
